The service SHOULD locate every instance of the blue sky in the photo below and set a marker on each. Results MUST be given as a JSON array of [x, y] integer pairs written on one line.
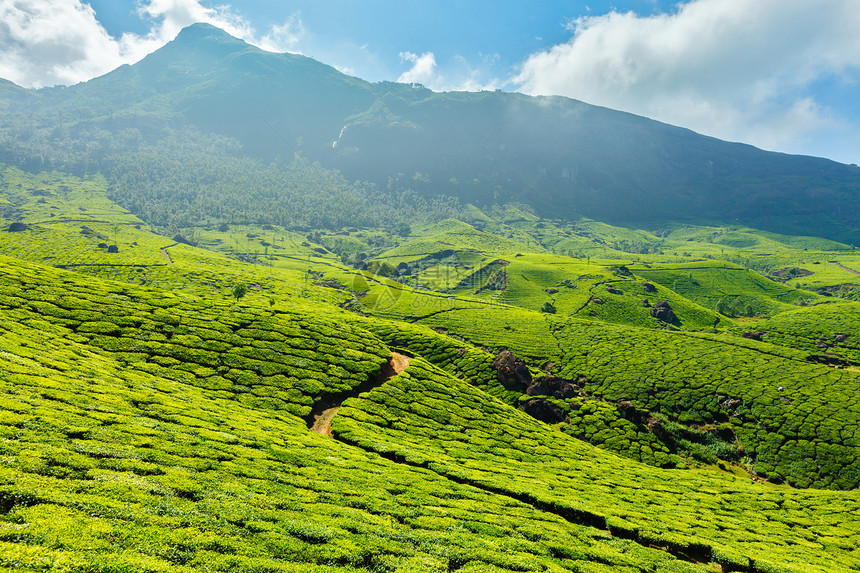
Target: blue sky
[[783, 75]]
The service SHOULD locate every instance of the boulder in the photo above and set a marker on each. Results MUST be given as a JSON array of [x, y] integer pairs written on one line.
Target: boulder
[[113, 249], [655, 427], [543, 410], [754, 335], [511, 371], [662, 311], [611, 290], [840, 337], [629, 412], [552, 386], [645, 303], [649, 287], [17, 227], [551, 291]]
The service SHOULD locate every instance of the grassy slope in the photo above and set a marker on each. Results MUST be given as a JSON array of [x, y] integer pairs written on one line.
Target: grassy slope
[[122, 453], [427, 418], [186, 365]]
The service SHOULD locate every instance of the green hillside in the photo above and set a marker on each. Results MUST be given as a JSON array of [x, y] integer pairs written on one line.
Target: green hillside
[[259, 316]]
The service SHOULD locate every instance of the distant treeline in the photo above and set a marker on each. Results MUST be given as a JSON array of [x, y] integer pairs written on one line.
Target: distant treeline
[[185, 182], [185, 178]]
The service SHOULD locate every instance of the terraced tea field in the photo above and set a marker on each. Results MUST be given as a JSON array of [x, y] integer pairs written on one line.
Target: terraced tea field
[[352, 407]]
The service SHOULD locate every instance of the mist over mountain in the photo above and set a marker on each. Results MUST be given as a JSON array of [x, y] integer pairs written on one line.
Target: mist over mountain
[[562, 157]]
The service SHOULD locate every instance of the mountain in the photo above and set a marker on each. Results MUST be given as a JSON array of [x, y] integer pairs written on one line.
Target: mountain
[[562, 157]]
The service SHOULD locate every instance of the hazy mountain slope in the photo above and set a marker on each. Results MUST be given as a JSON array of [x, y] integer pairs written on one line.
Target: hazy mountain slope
[[561, 156]]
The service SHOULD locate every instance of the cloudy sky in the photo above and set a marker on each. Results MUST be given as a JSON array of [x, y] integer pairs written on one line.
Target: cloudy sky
[[783, 75]]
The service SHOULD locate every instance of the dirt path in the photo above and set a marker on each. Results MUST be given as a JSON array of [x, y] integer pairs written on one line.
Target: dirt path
[[397, 364], [844, 268], [166, 256]]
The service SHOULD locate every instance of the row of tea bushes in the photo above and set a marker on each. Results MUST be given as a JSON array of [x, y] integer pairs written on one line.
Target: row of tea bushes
[[427, 418]]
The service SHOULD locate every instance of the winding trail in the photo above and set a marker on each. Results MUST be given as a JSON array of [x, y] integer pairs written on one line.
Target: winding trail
[[320, 421], [166, 255], [844, 268]]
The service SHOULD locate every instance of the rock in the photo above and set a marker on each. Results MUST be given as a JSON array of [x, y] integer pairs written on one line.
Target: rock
[[597, 301], [662, 311], [645, 303], [611, 290], [840, 337], [790, 273], [649, 287], [551, 386], [102, 245], [622, 270], [821, 345], [754, 335], [551, 291], [655, 427], [543, 410], [511, 371], [17, 227], [113, 249], [629, 412]]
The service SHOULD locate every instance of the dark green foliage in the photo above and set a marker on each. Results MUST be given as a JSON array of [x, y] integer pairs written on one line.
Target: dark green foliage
[[770, 395], [239, 290], [241, 190], [832, 330]]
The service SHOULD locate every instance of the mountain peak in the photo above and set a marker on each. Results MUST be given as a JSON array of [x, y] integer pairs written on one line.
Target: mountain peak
[[201, 31]]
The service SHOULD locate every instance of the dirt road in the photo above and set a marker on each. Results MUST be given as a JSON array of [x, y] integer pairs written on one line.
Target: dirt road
[[397, 364]]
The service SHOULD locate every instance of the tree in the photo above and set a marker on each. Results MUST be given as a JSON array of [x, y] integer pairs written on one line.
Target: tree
[[239, 290]]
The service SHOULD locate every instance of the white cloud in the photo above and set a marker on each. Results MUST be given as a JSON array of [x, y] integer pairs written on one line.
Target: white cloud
[[423, 70], [734, 69], [50, 42], [460, 76], [53, 41], [286, 37]]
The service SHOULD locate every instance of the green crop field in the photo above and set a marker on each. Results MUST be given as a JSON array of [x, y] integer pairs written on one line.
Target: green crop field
[[156, 416]]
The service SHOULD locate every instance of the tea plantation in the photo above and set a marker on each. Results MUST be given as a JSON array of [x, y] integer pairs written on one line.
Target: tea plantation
[[157, 394]]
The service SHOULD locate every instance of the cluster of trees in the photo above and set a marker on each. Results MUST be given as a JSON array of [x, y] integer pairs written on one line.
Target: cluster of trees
[[180, 183]]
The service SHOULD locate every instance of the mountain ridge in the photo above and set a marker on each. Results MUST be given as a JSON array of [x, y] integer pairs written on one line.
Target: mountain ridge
[[563, 157]]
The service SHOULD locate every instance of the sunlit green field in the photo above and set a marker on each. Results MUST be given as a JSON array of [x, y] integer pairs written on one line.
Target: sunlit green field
[[155, 417]]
